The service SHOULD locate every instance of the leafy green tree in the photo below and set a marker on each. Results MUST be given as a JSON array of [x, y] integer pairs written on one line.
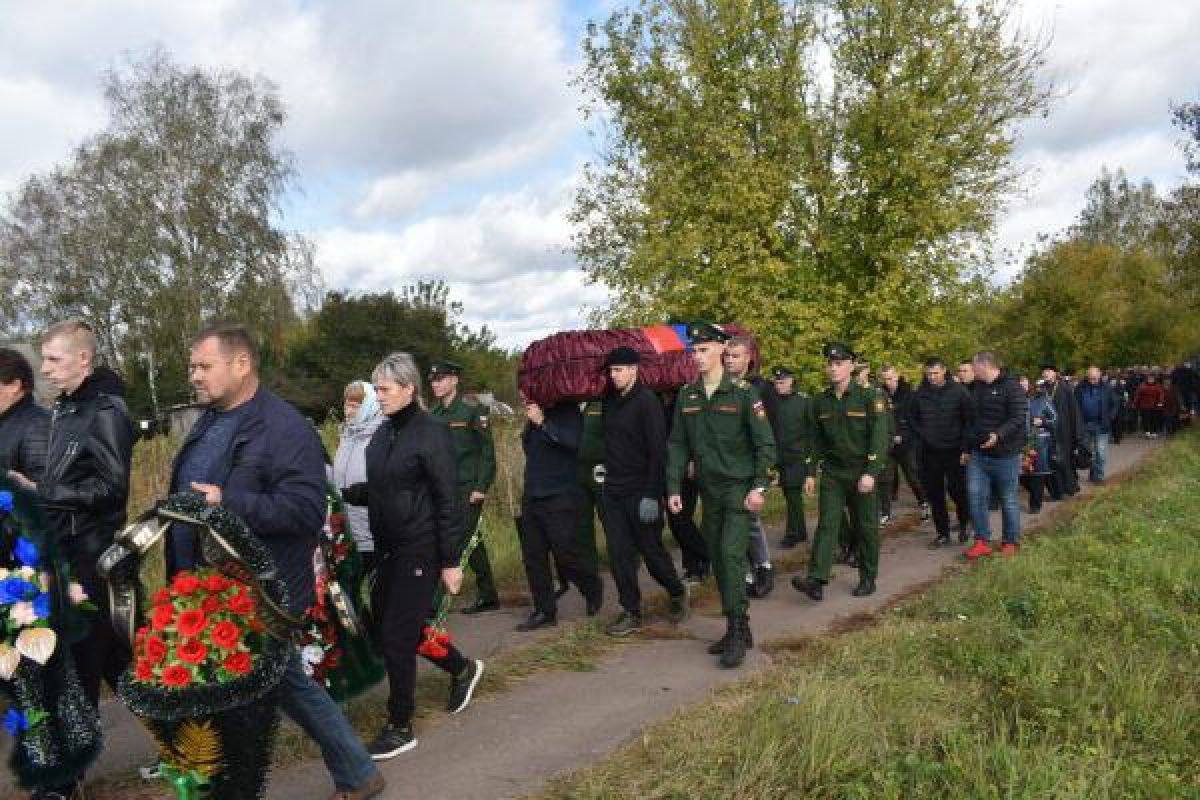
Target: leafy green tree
[[807, 169], [162, 221]]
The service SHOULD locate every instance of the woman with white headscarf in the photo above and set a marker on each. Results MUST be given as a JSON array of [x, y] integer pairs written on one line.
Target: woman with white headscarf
[[363, 416]]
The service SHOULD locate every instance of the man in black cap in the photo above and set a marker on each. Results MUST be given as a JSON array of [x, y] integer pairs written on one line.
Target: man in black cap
[[848, 441], [721, 426], [792, 406], [635, 435], [472, 435], [1068, 431]]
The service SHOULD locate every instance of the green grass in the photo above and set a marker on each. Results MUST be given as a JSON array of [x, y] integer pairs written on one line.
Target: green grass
[[1072, 671]]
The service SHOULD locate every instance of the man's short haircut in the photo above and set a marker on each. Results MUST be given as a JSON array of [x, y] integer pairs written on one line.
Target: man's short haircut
[[232, 337], [987, 357], [887, 368], [78, 333], [966, 362], [934, 361], [15, 367]]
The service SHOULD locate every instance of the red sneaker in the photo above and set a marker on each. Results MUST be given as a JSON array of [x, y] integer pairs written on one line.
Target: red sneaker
[[1008, 549], [978, 550]]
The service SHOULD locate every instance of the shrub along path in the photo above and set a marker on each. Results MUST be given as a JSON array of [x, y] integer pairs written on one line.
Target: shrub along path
[[512, 744]]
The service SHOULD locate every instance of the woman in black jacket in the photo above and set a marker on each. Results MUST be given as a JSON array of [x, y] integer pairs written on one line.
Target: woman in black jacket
[[24, 425], [412, 502]]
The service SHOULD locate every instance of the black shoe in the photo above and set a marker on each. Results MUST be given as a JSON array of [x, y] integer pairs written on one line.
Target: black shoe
[[463, 686], [392, 741], [942, 540], [695, 575], [481, 605], [678, 607], [562, 589], [537, 620], [790, 540], [764, 580], [865, 587], [735, 646], [810, 586], [625, 624], [1036, 510], [752, 585], [964, 535], [925, 513]]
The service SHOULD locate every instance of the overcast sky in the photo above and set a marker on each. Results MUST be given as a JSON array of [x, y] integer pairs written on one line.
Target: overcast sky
[[443, 139]]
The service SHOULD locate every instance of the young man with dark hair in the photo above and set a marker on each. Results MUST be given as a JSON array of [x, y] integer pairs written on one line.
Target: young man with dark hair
[[902, 457]]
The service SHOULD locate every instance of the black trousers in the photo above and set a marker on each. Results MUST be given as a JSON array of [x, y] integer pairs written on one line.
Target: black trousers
[[547, 526], [1036, 484], [683, 527], [403, 599], [100, 656], [631, 541], [942, 472], [902, 460]]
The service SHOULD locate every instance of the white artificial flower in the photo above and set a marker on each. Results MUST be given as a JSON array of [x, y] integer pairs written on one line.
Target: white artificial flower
[[312, 654], [3, 573], [27, 573], [22, 614]]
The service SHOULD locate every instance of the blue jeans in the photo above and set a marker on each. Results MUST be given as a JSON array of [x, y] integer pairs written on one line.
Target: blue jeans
[[311, 707], [1098, 444], [985, 475]]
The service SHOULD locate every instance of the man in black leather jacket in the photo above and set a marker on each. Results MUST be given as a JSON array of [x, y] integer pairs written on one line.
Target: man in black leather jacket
[[24, 425], [86, 482]]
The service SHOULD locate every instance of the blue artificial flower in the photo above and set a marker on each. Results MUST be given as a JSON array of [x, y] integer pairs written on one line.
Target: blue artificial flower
[[6, 502], [27, 552], [15, 722], [12, 590], [41, 605]]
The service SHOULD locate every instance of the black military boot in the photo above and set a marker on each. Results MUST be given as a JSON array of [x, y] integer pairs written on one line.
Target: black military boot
[[739, 639], [810, 586], [764, 580], [865, 587]]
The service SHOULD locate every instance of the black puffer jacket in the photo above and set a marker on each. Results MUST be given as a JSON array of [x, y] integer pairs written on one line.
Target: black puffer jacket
[[1002, 408], [24, 431], [939, 417], [86, 483], [411, 492]]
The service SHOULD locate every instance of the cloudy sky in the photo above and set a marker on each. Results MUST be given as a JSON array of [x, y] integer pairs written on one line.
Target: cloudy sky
[[443, 139]]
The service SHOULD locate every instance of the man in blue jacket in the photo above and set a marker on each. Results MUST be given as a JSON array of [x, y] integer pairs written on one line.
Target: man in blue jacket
[[1098, 407], [254, 454]]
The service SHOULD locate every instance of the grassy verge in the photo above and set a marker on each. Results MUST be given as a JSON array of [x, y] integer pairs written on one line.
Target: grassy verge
[[1072, 671]]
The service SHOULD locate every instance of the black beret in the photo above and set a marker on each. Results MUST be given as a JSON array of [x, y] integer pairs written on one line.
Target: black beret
[[701, 332], [779, 373], [838, 351], [1048, 364], [622, 357], [440, 368]]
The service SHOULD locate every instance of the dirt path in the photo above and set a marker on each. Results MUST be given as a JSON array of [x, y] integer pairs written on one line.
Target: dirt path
[[510, 744]]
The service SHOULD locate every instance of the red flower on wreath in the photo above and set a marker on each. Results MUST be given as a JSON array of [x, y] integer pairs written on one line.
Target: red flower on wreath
[[143, 671], [162, 616], [217, 583], [225, 634], [211, 605], [241, 603], [185, 583], [237, 663], [191, 622], [176, 676], [156, 649], [192, 651], [161, 597]]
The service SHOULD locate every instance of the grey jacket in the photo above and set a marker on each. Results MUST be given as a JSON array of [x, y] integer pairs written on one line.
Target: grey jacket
[[350, 467]]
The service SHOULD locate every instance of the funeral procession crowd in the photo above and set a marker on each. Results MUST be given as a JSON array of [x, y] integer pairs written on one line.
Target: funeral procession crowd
[[414, 475]]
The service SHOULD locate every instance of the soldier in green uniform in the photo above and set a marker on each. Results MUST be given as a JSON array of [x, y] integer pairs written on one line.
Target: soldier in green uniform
[[790, 416], [721, 426], [847, 441], [472, 435]]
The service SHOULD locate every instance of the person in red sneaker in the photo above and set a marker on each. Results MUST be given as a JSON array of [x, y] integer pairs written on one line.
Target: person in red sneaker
[[996, 437]]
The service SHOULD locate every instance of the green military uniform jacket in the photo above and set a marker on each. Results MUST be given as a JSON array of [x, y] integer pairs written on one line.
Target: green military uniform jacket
[[790, 420], [591, 439], [727, 436], [472, 435], [848, 438]]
